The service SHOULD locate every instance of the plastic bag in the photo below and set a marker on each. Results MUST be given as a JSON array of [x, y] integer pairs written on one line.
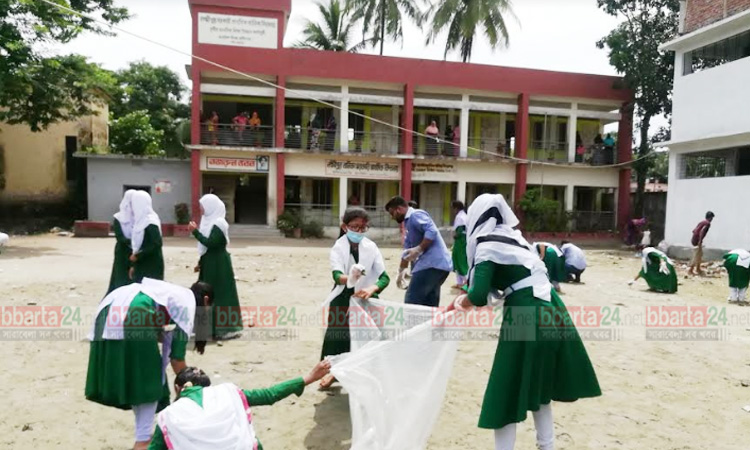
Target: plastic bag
[[396, 374]]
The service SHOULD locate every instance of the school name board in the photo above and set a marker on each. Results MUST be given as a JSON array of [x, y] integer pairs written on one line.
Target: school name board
[[433, 171], [386, 171], [257, 164], [238, 31]]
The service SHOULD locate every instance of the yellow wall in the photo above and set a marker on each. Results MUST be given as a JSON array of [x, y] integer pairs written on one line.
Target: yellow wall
[[35, 162]]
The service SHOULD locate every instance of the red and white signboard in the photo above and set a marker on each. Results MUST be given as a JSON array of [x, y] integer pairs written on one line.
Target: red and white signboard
[[257, 164]]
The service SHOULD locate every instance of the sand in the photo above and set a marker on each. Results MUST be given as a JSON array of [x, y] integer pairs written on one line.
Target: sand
[[657, 394]]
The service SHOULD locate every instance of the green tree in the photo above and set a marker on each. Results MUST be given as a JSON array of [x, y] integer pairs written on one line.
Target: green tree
[[333, 33], [634, 52], [38, 90], [383, 19], [464, 19], [133, 134], [158, 91]]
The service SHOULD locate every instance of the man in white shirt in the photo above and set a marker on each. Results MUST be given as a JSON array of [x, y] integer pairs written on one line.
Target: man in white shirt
[[575, 261]]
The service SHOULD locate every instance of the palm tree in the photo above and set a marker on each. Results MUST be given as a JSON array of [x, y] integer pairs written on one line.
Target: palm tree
[[464, 19], [384, 18], [333, 33]]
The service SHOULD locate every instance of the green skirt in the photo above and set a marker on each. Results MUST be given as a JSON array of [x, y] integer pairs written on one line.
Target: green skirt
[[460, 262], [216, 270], [120, 268], [739, 277], [540, 358], [337, 339], [658, 281], [555, 266]]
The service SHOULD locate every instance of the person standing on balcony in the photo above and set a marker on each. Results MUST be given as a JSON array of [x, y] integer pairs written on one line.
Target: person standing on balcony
[[699, 234], [460, 264], [316, 124], [215, 266], [425, 250], [433, 137], [609, 149], [330, 133], [255, 132], [213, 127], [239, 124], [580, 149]]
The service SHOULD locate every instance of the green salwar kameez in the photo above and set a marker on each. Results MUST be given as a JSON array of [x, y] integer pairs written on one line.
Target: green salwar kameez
[[150, 262], [555, 265], [255, 397], [337, 339], [657, 280], [216, 270], [739, 277], [121, 263], [127, 372], [540, 356], [460, 262]]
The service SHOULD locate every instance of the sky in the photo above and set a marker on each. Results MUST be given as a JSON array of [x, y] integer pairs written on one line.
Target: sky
[[546, 34]]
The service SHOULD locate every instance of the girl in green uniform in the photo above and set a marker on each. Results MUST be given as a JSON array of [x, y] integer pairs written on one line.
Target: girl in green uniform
[[126, 369], [123, 228], [215, 266], [540, 356], [219, 417], [658, 271], [460, 266], [358, 270], [147, 259], [554, 260], [737, 263]]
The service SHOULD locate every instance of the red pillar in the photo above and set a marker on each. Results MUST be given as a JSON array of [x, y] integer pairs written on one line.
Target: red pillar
[[407, 140], [195, 139], [279, 143], [624, 154], [521, 151]]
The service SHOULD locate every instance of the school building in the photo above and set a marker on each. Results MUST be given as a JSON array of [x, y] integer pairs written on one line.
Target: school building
[[298, 153], [709, 151]]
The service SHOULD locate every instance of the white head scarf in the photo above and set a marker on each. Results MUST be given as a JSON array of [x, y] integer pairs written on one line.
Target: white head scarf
[[743, 257], [125, 214], [144, 216], [460, 220], [662, 256], [214, 213], [490, 215]]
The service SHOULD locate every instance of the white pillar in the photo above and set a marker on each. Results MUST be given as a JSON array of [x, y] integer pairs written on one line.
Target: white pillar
[[394, 120], [569, 198], [343, 195], [572, 130], [464, 150], [344, 120], [461, 192]]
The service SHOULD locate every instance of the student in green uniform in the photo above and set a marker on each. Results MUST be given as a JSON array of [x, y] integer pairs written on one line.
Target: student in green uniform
[[554, 260], [215, 266], [147, 259], [460, 266], [126, 369], [540, 356], [658, 271], [219, 417], [737, 263], [359, 271], [123, 228]]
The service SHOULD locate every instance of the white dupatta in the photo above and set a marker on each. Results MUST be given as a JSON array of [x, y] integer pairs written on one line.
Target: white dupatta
[[224, 422], [214, 214], [558, 252], [662, 256], [492, 237], [743, 257], [460, 220], [125, 215], [144, 215], [342, 260]]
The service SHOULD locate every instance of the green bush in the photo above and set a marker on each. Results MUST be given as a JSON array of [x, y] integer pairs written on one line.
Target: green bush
[[312, 229], [542, 214], [182, 213], [289, 221], [133, 134]]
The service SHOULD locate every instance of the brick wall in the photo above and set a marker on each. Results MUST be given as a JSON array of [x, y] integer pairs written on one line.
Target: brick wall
[[701, 13]]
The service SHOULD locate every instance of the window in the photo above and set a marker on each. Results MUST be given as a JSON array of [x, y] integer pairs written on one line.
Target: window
[[371, 194], [705, 166], [73, 165], [322, 192], [716, 54], [292, 190], [743, 161], [727, 162]]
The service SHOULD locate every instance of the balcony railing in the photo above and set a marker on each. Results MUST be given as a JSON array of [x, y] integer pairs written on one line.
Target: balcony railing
[[232, 135], [325, 215], [489, 148], [588, 221], [598, 155], [434, 146], [548, 151], [378, 142]]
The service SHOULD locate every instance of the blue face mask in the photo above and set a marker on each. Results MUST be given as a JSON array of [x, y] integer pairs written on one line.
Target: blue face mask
[[354, 237]]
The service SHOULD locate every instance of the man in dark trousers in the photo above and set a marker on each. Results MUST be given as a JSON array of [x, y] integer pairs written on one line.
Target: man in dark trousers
[[699, 233]]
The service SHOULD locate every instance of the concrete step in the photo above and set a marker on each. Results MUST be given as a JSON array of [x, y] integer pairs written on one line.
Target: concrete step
[[253, 231]]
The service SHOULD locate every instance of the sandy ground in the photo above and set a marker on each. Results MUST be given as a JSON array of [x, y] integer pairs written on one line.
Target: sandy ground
[[657, 394]]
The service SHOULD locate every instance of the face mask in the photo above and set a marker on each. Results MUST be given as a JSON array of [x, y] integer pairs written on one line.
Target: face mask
[[354, 237]]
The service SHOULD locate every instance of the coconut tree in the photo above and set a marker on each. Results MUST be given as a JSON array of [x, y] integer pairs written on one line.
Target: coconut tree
[[383, 19], [464, 19], [334, 32]]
